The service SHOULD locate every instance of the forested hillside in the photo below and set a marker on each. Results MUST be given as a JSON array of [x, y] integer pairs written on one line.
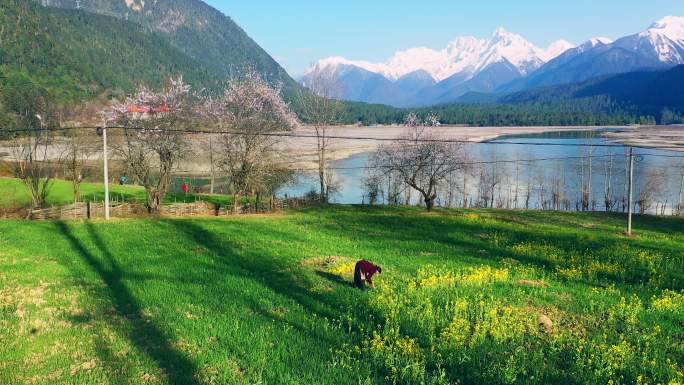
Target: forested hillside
[[647, 93], [584, 112], [77, 55], [198, 30], [74, 55]]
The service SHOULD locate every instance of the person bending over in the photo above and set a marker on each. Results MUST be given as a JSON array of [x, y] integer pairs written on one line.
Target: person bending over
[[363, 273]]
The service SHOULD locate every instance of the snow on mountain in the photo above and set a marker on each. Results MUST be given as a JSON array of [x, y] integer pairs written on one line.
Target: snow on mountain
[[505, 45], [331, 63], [671, 27], [504, 62], [467, 55], [557, 48], [659, 47], [667, 38], [594, 41], [423, 75]]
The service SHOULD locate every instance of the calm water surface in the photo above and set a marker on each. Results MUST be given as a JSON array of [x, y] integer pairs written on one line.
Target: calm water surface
[[658, 179]]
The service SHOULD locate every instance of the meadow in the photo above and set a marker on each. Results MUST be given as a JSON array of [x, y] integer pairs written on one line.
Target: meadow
[[61, 193], [466, 297]]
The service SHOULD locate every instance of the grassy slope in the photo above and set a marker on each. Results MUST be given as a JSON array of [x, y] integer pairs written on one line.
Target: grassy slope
[[258, 300]]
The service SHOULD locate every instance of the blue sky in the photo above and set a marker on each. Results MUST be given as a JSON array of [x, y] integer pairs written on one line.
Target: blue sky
[[299, 32]]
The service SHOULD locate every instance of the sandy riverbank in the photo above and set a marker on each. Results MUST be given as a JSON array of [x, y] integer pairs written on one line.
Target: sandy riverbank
[[304, 149], [651, 136]]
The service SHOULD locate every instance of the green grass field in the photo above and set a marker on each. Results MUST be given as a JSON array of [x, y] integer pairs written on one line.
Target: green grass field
[[268, 300], [15, 194]]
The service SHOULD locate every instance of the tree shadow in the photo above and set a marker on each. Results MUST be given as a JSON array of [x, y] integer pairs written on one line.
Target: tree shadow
[[258, 263], [143, 333], [336, 279], [433, 232]]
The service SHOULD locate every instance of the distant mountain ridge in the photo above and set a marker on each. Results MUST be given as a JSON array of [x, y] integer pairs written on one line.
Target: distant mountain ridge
[[466, 64], [506, 63], [659, 47], [656, 93]]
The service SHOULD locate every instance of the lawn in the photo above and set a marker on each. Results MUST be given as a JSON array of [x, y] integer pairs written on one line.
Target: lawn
[[14, 194], [466, 296]]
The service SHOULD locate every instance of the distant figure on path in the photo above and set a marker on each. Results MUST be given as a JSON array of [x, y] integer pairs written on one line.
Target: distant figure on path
[[363, 273], [185, 188]]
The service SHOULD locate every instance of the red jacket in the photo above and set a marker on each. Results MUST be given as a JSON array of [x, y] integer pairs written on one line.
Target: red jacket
[[368, 269]]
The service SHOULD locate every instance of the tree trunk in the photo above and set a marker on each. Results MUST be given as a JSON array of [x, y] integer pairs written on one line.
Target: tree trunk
[[236, 203], [211, 163], [321, 167], [77, 191], [429, 203], [679, 202], [153, 201]]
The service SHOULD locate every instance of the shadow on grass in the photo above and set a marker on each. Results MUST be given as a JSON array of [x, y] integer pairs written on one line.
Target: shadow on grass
[[476, 239], [258, 263], [272, 271], [146, 336], [336, 279]]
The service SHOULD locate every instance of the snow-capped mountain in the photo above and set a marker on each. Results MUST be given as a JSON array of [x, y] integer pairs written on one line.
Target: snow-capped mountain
[[660, 46], [665, 37], [504, 62], [501, 58], [467, 54]]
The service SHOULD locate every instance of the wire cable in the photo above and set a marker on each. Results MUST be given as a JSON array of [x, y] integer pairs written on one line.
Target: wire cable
[[369, 138]]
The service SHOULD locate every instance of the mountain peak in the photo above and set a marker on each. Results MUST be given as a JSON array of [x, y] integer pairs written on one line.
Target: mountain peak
[[464, 55], [501, 32], [594, 41], [556, 48], [668, 21], [671, 27]]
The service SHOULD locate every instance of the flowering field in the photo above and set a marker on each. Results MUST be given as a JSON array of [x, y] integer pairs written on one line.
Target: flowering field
[[466, 297]]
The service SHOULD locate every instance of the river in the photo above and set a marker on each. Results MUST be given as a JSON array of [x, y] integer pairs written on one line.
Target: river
[[532, 177]]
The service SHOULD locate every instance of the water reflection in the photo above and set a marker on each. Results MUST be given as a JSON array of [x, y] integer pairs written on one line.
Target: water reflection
[[529, 175]]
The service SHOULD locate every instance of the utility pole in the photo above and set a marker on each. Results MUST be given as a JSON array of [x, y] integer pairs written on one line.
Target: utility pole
[[211, 161], [630, 189], [681, 190], [106, 169]]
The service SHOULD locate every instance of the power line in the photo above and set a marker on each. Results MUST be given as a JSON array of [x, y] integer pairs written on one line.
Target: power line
[[369, 167], [377, 139], [479, 162]]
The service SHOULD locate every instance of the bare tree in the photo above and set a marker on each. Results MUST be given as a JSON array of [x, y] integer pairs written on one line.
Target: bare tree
[[468, 170], [372, 185], [558, 188], [650, 189], [78, 147], [32, 109], [321, 108], [154, 142], [421, 158], [680, 207], [249, 110], [586, 178], [31, 152], [608, 198]]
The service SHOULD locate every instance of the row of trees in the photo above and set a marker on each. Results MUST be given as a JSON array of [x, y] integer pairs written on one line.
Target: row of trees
[[153, 144], [570, 113], [421, 168], [241, 123], [243, 116]]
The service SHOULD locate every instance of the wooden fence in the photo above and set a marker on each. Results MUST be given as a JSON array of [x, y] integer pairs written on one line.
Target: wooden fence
[[89, 210]]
